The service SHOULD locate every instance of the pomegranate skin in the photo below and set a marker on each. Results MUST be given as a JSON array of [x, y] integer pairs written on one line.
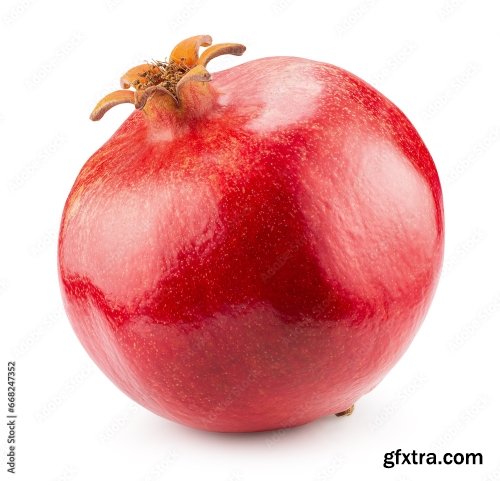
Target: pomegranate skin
[[263, 264]]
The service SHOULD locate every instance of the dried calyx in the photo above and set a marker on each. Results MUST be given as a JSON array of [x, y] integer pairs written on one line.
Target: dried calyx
[[184, 66]]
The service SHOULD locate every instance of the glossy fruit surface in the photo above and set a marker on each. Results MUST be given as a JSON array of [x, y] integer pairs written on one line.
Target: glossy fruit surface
[[252, 249]]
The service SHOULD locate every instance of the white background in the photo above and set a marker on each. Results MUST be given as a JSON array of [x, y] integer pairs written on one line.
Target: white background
[[437, 60]]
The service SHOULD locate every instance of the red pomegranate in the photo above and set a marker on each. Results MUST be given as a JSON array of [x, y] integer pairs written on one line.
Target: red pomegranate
[[254, 248]]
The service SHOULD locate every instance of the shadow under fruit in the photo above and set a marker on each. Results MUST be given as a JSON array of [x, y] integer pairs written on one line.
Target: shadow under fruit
[[253, 248]]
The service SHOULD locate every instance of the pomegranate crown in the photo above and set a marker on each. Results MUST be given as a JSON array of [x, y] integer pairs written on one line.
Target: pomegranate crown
[[169, 78]]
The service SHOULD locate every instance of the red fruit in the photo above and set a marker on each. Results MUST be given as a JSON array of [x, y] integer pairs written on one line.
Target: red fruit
[[254, 251]]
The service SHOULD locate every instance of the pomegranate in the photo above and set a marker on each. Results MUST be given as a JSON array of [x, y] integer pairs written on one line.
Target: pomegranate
[[253, 248]]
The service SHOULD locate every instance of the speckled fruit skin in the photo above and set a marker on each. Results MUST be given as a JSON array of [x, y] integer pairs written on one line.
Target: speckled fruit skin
[[263, 264]]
